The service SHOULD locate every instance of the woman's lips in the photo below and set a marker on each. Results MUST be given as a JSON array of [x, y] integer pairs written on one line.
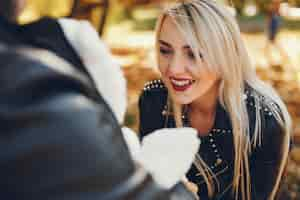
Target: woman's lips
[[181, 84]]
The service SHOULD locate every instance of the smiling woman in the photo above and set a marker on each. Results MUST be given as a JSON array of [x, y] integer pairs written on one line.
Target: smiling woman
[[208, 83], [185, 75]]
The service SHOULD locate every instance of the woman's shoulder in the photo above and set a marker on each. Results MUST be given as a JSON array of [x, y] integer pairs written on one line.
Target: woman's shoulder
[[268, 111], [155, 85], [259, 102], [271, 138], [154, 92], [152, 104]]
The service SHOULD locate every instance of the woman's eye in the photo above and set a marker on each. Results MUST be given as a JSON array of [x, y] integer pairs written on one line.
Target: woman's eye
[[200, 55], [164, 51], [191, 55]]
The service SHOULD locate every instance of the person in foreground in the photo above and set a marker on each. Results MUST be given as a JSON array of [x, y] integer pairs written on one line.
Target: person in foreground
[[61, 140], [60, 119], [208, 83]]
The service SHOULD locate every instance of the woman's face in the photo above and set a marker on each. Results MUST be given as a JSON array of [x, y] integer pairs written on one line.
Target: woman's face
[[186, 79]]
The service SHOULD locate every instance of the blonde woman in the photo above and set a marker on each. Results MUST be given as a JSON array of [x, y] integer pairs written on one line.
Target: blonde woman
[[208, 83]]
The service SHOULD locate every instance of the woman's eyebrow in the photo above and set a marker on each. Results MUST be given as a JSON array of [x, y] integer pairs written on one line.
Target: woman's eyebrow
[[187, 47], [169, 45], [164, 43]]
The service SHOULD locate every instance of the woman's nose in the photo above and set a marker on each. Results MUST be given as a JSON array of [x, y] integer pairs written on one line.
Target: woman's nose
[[177, 65]]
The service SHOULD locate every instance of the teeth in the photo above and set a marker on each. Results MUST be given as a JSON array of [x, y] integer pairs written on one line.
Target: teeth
[[182, 83]]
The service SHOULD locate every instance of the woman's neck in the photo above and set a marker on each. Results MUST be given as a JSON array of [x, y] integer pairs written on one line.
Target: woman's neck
[[207, 103], [202, 112]]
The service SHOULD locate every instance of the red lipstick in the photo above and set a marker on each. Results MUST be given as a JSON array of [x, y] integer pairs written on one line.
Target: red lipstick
[[181, 84]]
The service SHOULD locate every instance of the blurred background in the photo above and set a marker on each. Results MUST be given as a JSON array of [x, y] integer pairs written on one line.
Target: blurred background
[[127, 26]]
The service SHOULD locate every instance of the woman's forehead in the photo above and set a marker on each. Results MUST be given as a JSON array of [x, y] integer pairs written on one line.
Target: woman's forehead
[[171, 33]]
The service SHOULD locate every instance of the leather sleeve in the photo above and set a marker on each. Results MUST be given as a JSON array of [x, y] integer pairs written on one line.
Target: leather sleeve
[[266, 160], [144, 111], [151, 105]]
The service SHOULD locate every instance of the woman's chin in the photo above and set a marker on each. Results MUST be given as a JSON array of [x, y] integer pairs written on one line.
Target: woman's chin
[[182, 100]]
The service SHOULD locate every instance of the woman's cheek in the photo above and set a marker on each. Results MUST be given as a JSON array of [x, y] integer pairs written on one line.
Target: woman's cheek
[[163, 67]]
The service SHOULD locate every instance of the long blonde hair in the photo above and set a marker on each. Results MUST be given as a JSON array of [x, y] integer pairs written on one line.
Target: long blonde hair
[[211, 29]]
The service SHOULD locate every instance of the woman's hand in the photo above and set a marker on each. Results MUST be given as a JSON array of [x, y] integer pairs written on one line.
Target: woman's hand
[[191, 186]]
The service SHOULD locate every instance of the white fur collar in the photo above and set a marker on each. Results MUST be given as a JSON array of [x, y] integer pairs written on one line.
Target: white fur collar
[[106, 73]]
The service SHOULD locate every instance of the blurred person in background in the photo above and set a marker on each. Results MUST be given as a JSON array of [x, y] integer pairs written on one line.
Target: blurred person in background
[[208, 83], [273, 23], [61, 139]]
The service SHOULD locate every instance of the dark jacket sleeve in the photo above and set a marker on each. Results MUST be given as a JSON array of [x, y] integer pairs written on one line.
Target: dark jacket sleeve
[[266, 160], [151, 105], [144, 113], [59, 143]]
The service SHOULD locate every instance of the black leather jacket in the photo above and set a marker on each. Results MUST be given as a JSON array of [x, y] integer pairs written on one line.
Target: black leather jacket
[[217, 148]]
